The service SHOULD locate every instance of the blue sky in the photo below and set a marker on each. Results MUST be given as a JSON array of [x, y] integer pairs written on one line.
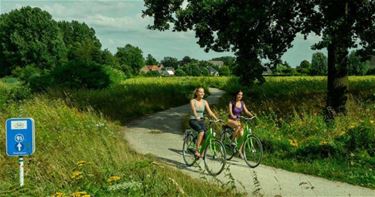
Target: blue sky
[[118, 23]]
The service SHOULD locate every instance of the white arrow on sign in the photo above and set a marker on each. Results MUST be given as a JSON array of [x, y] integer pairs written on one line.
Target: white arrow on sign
[[19, 146]]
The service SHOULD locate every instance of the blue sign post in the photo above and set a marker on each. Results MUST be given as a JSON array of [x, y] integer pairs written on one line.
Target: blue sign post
[[20, 139]]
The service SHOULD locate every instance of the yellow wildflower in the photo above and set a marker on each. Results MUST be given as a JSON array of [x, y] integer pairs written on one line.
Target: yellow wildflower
[[113, 178], [58, 194], [80, 194], [323, 142], [81, 163], [76, 175], [293, 142], [371, 121]]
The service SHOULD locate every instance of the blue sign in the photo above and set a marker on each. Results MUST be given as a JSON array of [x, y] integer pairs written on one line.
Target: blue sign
[[20, 136]]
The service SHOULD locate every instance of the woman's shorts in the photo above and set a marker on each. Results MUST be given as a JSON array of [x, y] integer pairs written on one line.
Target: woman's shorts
[[197, 125]]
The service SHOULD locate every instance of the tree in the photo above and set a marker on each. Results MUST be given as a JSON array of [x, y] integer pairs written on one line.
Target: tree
[[341, 23], [130, 57], [304, 67], [29, 36], [356, 65], [224, 71], [108, 59], [187, 60], [81, 42], [151, 60], [318, 64], [265, 29], [170, 62], [251, 29]]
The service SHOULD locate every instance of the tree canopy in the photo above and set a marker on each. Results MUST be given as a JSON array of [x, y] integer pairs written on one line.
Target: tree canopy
[[29, 36]]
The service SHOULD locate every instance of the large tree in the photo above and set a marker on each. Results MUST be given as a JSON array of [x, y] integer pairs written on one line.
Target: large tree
[[29, 36], [265, 29], [251, 29], [81, 42], [130, 57], [343, 24]]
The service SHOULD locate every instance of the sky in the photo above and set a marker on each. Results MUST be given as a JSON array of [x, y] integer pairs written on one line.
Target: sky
[[120, 22]]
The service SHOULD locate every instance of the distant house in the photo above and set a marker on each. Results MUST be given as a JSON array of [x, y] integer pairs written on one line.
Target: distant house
[[149, 68], [217, 63], [212, 71], [167, 71]]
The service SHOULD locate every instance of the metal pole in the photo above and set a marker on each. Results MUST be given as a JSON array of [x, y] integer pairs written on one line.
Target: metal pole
[[20, 161]]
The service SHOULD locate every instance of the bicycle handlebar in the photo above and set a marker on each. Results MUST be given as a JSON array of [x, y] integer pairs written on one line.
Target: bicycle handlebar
[[246, 118]]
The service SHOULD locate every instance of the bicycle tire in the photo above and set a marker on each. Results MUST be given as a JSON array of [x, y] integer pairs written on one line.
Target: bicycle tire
[[227, 142], [252, 151], [188, 150], [215, 155]]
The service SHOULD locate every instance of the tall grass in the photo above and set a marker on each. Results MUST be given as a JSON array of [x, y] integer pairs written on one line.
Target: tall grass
[[295, 136], [138, 96], [80, 151]]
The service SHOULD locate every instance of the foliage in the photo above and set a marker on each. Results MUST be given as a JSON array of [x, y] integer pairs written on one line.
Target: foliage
[[151, 60], [80, 153], [132, 57], [319, 64], [356, 65], [81, 41], [29, 36], [304, 68], [170, 62], [81, 75]]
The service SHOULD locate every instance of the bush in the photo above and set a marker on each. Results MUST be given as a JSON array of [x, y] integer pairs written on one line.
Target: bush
[[360, 138], [81, 75]]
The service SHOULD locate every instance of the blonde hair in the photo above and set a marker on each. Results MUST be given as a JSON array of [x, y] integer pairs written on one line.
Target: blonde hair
[[196, 90]]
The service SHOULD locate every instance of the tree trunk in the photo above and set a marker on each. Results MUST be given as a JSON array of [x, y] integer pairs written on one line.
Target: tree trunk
[[337, 83], [249, 67]]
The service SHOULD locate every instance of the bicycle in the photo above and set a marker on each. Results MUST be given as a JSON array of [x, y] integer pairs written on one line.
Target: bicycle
[[252, 149], [213, 150]]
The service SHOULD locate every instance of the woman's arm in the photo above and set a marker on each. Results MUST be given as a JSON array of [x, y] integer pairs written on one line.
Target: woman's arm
[[193, 109], [247, 111], [210, 112], [230, 110]]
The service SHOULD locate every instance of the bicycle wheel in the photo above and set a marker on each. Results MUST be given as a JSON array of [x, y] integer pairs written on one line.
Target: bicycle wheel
[[188, 150], [214, 157], [225, 138], [252, 151]]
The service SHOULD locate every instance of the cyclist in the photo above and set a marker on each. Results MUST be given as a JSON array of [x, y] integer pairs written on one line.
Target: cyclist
[[236, 107], [198, 107]]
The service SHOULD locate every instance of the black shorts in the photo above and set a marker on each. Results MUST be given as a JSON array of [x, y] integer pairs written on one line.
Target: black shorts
[[197, 125]]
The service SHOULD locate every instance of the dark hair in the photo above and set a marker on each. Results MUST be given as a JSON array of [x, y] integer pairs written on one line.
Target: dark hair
[[235, 95], [196, 90]]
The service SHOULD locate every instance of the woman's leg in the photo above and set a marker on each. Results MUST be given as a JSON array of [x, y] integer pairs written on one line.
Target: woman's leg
[[236, 126], [198, 144]]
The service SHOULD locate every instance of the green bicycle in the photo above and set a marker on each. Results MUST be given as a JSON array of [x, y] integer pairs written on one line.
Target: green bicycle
[[213, 150], [252, 149]]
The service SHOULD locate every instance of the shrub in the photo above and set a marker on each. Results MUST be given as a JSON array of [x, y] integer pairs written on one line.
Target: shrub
[[81, 75]]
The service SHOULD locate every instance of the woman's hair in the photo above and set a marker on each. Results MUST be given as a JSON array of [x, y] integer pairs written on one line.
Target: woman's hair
[[235, 94], [196, 90]]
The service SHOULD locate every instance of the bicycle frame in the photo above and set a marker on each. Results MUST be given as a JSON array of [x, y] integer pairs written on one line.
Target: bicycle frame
[[247, 132], [207, 139]]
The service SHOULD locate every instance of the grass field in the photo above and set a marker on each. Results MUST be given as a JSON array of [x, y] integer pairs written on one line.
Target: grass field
[[80, 147]]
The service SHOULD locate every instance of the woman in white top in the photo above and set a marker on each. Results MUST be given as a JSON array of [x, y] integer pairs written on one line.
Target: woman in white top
[[198, 107]]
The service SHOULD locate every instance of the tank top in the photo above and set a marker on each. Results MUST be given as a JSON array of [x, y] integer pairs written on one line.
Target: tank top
[[198, 110], [236, 110]]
